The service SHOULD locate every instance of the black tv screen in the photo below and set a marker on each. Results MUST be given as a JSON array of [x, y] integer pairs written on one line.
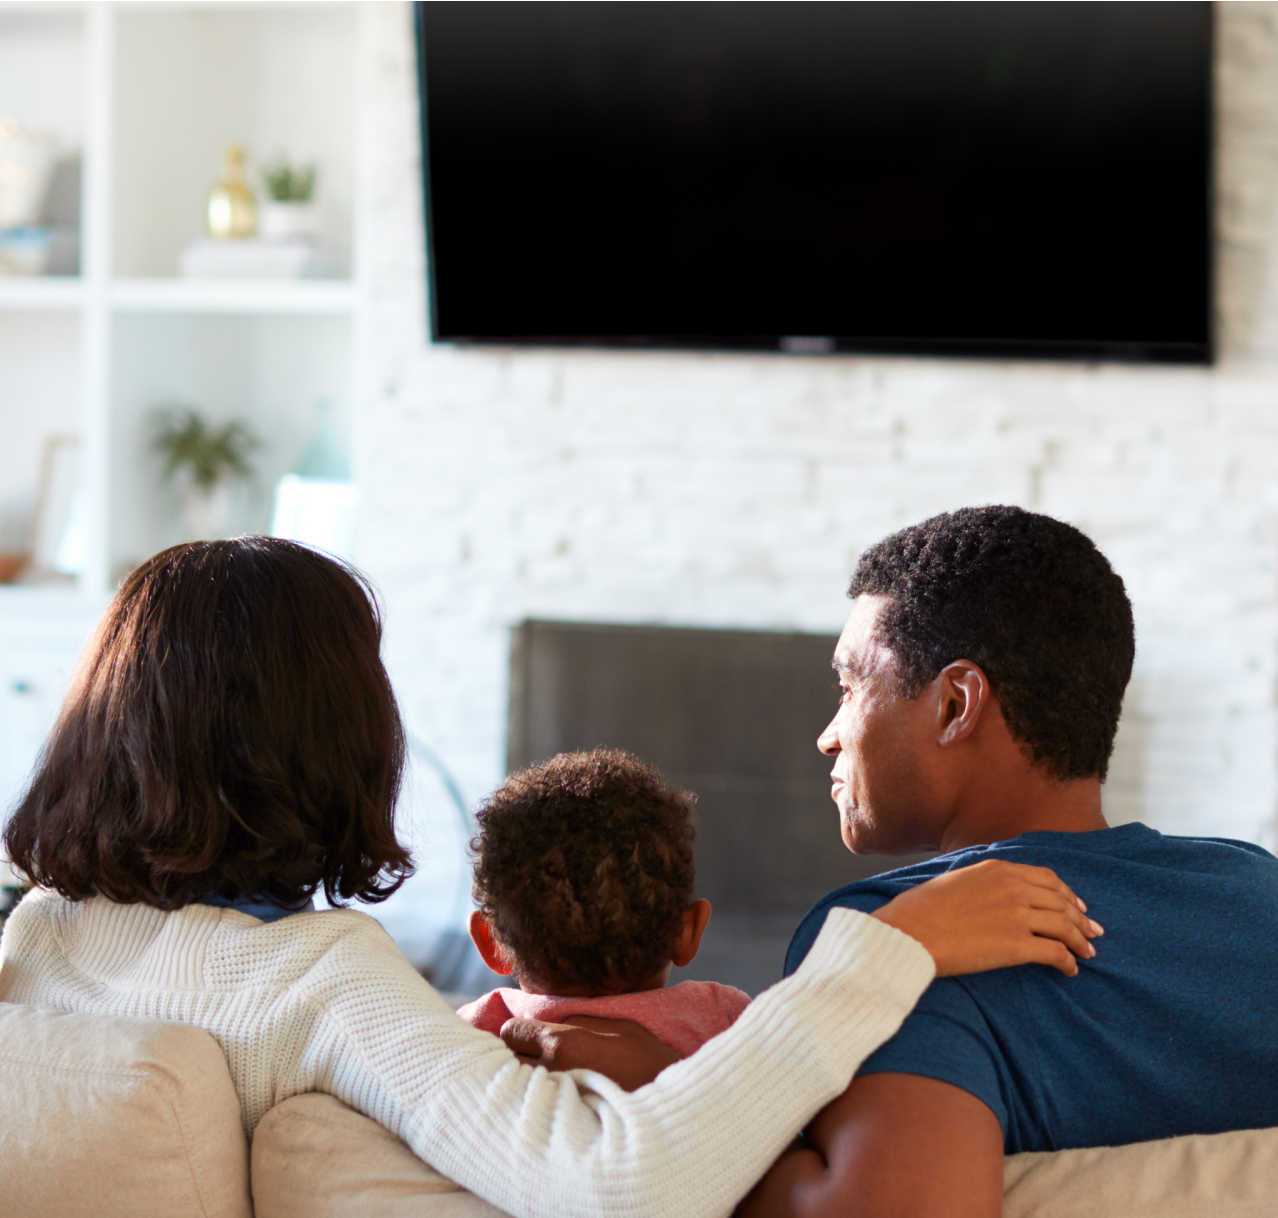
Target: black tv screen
[[988, 179]]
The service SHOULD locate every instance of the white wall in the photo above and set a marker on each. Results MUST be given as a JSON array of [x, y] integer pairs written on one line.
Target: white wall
[[737, 490]]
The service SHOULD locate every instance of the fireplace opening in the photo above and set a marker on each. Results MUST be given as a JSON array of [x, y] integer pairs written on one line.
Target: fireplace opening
[[732, 715]]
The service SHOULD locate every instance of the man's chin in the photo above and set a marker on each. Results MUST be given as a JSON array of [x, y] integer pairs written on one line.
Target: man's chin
[[864, 839], [858, 840]]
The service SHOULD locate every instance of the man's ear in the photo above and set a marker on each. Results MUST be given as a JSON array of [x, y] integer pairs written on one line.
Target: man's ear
[[695, 920], [962, 696], [481, 935]]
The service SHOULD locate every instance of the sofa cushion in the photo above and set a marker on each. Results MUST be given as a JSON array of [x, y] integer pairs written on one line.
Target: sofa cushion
[[313, 1157], [1224, 1175], [119, 1118]]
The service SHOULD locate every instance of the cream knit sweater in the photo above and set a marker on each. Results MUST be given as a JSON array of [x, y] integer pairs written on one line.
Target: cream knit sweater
[[326, 1002]]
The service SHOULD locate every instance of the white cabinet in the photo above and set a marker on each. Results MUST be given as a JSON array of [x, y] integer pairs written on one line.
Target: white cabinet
[[40, 641]]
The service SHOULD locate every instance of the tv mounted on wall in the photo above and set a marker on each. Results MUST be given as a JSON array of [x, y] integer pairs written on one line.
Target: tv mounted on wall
[[956, 178]]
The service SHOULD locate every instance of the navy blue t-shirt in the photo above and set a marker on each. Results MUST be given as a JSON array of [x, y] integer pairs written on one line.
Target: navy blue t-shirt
[[1171, 1029]]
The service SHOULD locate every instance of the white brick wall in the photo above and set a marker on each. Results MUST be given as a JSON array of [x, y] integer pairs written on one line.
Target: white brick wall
[[737, 490]]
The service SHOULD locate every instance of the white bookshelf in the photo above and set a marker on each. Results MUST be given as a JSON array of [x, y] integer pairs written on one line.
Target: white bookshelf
[[148, 94]]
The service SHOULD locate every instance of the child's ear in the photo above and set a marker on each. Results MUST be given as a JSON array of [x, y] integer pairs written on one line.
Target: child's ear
[[695, 920], [481, 935]]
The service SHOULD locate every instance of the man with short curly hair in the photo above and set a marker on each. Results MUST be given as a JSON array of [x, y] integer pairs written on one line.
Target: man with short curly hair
[[982, 672]]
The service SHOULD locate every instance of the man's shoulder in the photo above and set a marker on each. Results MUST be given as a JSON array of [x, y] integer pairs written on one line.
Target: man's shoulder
[[1172, 1005], [876, 891], [1227, 849], [1100, 858], [864, 895]]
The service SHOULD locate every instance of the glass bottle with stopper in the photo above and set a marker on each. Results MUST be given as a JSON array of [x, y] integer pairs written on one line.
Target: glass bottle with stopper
[[232, 210]]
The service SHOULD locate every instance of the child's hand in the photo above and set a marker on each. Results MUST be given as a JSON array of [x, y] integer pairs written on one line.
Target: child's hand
[[994, 915], [617, 1048]]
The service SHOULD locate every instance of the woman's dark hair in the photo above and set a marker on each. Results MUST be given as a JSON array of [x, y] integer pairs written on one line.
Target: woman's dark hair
[[230, 730], [1029, 599], [584, 867]]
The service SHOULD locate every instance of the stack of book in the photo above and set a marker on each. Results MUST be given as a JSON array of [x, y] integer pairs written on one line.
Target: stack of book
[[252, 258]]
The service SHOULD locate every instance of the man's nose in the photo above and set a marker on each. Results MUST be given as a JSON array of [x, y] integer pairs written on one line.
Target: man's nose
[[828, 740]]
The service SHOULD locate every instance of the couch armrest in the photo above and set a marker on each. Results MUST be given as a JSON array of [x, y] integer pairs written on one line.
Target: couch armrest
[[118, 1118]]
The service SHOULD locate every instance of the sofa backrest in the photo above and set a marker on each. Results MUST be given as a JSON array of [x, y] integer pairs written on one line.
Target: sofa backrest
[[1221, 1175], [125, 1118], [118, 1118], [313, 1157]]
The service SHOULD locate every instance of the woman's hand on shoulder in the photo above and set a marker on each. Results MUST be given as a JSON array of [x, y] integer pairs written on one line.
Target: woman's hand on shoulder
[[995, 914]]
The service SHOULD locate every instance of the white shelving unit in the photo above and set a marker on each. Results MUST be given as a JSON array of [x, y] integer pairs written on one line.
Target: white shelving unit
[[148, 94]]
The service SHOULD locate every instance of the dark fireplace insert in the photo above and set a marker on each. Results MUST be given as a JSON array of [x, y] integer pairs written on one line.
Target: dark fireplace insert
[[732, 715]]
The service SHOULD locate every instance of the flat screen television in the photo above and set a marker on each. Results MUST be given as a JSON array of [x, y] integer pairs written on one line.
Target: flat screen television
[[956, 178]]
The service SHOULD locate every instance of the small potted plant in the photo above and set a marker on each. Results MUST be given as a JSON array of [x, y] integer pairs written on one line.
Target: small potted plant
[[204, 463], [290, 213]]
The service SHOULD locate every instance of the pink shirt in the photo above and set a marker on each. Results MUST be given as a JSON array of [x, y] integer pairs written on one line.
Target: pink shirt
[[682, 1017]]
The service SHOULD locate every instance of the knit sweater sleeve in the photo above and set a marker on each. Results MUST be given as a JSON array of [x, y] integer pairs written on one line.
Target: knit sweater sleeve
[[542, 1145]]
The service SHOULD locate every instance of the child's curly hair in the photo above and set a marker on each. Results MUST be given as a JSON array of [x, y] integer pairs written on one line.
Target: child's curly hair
[[584, 867]]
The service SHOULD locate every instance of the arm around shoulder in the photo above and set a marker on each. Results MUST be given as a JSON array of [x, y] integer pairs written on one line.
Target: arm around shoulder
[[543, 1145]]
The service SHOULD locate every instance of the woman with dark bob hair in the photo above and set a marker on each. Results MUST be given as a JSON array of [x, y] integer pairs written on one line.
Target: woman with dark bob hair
[[230, 746]]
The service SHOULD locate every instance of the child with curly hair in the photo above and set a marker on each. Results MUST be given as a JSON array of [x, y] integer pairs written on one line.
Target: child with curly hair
[[584, 880]]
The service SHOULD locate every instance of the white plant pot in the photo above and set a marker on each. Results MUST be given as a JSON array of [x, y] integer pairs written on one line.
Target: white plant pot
[[288, 221], [26, 162], [206, 515]]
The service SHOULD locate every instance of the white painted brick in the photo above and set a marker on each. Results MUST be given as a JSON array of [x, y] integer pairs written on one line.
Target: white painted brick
[[737, 490]]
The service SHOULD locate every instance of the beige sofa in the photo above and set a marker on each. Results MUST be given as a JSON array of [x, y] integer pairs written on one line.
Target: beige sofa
[[122, 1118]]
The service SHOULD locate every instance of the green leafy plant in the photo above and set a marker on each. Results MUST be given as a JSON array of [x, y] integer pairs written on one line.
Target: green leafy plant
[[212, 454], [287, 183]]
